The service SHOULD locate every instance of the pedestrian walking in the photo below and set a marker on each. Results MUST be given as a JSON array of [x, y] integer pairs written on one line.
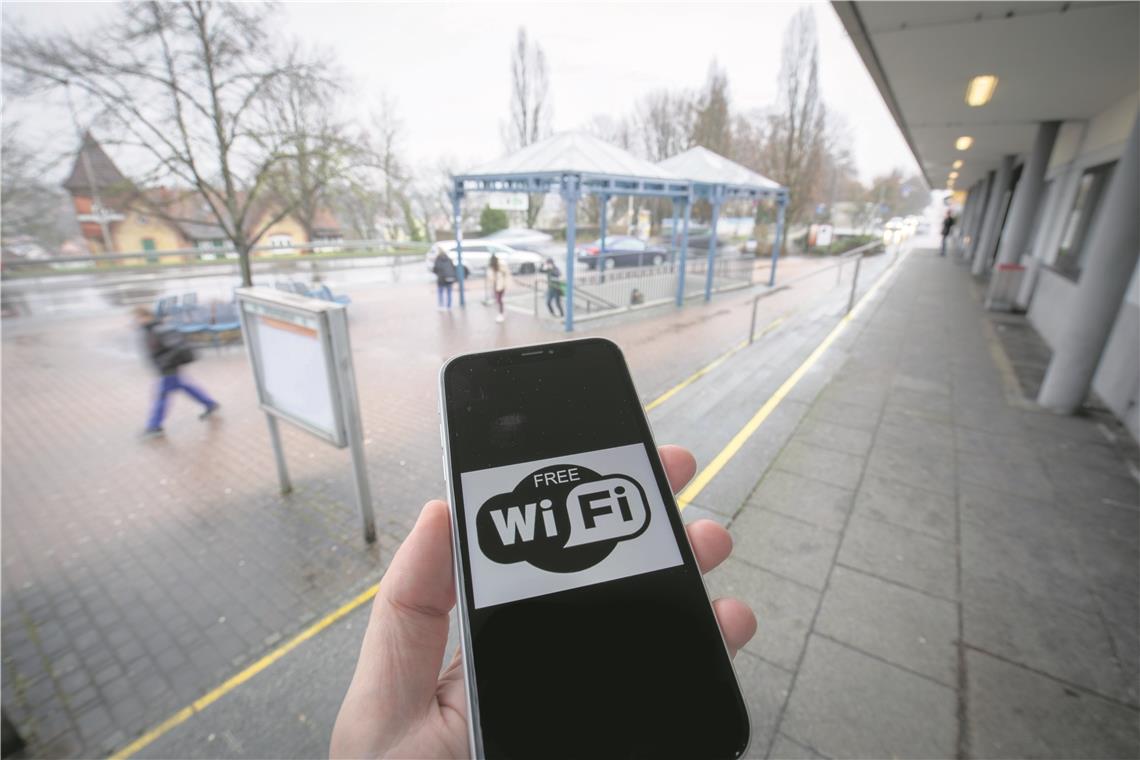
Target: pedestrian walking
[[947, 223], [168, 351], [498, 274], [445, 277], [554, 287]]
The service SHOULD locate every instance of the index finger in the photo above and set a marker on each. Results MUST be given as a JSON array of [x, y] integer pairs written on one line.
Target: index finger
[[680, 466]]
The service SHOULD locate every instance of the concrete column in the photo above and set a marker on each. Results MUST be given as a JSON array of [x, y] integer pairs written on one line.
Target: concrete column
[[963, 225], [979, 215], [1112, 244], [1027, 196], [991, 228]]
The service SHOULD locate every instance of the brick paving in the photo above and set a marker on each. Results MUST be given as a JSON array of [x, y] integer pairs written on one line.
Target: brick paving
[[138, 575]]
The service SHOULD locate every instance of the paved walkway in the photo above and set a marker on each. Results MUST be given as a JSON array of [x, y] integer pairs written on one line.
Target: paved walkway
[[939, 570]]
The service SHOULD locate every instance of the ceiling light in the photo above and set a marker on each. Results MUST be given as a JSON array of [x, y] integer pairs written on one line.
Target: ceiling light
[[981, 89], [953, 175], [964, 142], [957, 164]]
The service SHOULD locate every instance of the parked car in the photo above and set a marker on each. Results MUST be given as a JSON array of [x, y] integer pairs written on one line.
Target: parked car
[[622, 251], [477, 256], [520, 237]]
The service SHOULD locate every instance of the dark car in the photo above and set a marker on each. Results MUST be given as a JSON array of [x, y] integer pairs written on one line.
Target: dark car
[[622, 251]]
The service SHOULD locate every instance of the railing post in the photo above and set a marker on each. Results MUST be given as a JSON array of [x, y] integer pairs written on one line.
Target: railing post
[[684, 252], [456, 201], [711, 271], [536, 296], [570, 197], [752, 326], [781, 204], [854, 284]]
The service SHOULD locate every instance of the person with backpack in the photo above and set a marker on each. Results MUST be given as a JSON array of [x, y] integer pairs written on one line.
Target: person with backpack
[[445, 276], [498, 274], [553, 287], [168, 351]]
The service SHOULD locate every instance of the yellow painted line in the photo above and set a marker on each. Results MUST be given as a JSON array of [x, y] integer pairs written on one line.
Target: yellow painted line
[[707, 369], [694, 377], [207, 699], [705, 476]]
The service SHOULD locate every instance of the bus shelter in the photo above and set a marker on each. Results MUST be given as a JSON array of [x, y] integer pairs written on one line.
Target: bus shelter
[[716, 179], [573, 164]]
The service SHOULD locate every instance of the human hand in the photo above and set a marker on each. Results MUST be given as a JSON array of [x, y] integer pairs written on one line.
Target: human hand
[[398, 704]]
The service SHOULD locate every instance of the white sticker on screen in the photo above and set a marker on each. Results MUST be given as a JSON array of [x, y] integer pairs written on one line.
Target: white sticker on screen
[[535, 528]]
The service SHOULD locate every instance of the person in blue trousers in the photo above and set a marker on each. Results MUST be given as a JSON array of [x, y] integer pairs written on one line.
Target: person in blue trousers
[[168, 351]]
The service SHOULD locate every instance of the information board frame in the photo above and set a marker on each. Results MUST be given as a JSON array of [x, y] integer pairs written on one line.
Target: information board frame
[[313, 313], [297, 314]]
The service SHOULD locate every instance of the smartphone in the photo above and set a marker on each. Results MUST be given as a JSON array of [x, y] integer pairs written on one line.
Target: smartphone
[[585, 625]]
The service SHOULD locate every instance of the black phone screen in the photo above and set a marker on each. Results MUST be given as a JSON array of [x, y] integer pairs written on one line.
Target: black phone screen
[[589, 630]]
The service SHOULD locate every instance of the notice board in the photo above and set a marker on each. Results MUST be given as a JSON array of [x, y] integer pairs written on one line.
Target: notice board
[[292, 351]]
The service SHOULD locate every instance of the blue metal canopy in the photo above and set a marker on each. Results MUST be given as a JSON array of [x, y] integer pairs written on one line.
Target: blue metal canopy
[[576, 164], [716, 179]]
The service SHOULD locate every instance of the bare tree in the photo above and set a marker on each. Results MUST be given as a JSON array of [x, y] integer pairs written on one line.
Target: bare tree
[[797, 131], [665, 120], [530, 114], [188, 85], [318, 148], [29, 206]]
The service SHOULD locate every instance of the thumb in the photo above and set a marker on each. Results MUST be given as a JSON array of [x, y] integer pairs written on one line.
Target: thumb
[[403, 648]]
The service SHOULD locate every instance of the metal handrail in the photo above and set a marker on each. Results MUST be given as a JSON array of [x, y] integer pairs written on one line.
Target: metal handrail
[[855, 253], [391, 247]]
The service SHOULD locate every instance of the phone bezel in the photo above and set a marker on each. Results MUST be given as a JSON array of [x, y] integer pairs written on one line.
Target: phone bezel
[[545, 350]]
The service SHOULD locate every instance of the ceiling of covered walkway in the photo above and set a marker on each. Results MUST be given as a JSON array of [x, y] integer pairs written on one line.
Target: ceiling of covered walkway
[[1054, 61]]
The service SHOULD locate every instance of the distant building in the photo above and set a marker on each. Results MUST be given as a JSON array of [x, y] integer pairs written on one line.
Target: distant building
[[165, 219]]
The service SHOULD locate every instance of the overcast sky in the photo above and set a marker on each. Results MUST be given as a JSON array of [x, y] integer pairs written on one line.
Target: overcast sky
[[446, 66]]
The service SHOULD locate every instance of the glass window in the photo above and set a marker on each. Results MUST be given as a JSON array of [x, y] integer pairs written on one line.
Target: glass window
[[1072, 251]]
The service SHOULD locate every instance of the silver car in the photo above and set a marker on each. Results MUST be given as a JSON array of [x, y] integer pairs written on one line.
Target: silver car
[[477, 256]]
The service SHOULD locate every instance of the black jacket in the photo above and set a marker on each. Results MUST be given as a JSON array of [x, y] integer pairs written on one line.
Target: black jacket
[[444, 269]]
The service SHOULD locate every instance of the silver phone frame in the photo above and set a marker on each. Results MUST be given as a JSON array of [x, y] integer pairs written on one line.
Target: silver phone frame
[[474, 731]]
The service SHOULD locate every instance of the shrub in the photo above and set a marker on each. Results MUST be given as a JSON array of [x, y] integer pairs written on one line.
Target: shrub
[[492, 220]]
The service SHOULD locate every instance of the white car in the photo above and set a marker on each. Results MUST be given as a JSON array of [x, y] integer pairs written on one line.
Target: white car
[[477, 255], [520, 237]]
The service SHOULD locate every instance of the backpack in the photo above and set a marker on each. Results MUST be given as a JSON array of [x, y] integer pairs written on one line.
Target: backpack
[[171, 349]]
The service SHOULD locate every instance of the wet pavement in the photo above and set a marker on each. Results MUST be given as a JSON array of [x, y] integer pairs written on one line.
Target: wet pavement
[[939, 569], [140, 574]]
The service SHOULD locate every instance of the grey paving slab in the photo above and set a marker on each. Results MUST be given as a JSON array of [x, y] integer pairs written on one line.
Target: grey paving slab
[[784, 545], [927, 512], [1014, 712], [900, 555], [933, 406], [1025, 478], [786, 749], [850, 415], [930, 437], [920, 384], [830, 708], [765, 690], [902, 626], [913, 466], [829, 466], [1043, 522], [1076, 483], [832, 436], [803, 498], [1121, 613], [1055, 639], [784, 609], [1048, 572]]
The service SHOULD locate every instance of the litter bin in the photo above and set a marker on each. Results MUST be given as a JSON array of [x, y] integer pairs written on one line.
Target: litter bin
[[1004, 287]]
